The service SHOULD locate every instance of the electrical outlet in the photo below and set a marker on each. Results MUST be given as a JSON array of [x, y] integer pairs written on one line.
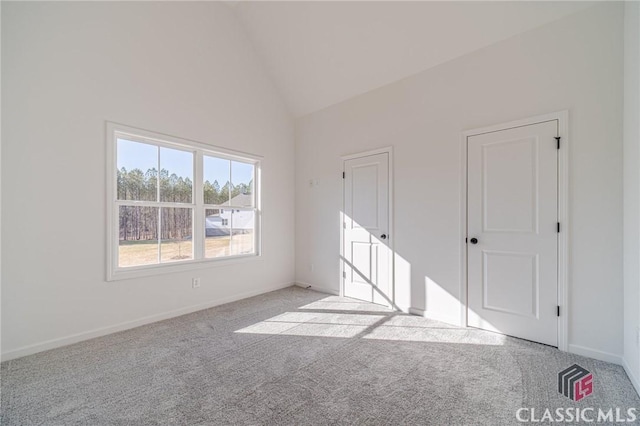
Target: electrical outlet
[[195, 282]]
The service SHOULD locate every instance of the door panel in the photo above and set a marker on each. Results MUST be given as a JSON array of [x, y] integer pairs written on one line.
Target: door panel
[[510, 283], [367, 257], [509, 187], [513, 212], [365, 197]]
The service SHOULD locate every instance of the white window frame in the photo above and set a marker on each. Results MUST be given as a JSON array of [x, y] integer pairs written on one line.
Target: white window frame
[[114, 272]]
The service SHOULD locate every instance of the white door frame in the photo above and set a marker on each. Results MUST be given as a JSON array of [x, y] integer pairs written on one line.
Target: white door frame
[[391, 234], [563, 216]]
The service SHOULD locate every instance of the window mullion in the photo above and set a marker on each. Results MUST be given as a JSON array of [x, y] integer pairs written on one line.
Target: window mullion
[[169, 204], [230, 180], [199, 213], [256, 211], [231, 215], [159, 230], [158, 177]]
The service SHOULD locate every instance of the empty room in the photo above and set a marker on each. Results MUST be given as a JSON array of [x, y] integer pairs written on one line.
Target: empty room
[[319, 213]]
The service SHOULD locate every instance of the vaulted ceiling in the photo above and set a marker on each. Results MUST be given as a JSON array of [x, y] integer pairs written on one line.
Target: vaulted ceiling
[[322, 53]]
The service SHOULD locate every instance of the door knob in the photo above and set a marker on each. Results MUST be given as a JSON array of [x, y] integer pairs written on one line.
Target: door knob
[[473, 241], [383, 236]]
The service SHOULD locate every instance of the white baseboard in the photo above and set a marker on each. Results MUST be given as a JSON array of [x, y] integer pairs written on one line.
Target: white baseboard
[[416, 311], [595, 354], [448, 319], [632, 377], [103, 331], [320, 289], [404, 309]]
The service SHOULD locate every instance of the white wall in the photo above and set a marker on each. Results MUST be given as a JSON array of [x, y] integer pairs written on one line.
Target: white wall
[[184, 69], [0, 177], [575, 64], [632, 191]]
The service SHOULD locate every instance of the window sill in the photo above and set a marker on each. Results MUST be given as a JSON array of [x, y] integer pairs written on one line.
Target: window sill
[[170, 268]]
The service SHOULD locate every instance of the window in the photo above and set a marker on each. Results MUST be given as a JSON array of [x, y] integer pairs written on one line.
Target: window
[[166, 199]]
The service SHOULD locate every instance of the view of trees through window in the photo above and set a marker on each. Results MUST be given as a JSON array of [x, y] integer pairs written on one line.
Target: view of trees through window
[[156, 199]]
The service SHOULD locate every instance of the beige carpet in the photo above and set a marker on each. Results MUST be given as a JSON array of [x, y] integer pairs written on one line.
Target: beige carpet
[[297, 357]]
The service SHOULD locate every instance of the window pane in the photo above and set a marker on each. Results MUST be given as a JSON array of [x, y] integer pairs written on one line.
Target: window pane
[[137, 165], [176, 175], [217, 173], [242, 184], [217, 232], [177, 234], [138, 239], [243, 224]]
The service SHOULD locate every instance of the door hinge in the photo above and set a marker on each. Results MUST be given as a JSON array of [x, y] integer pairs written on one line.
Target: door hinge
[[344, 274], [558, 141], [558, 310], [558, 227], [343, 175], [466, 240]]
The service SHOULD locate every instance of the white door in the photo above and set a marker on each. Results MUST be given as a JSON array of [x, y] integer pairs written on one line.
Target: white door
[[512, 230], [367, 257]]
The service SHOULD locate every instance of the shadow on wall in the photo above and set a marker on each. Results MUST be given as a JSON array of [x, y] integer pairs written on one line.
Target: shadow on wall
[[374, 272]]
